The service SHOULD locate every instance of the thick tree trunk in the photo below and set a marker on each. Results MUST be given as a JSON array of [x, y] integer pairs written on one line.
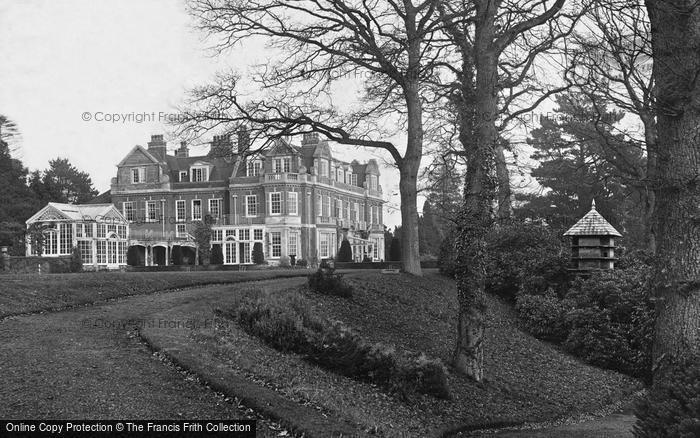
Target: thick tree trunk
[[676, 48], [479, 136], [410, 256], [408, 168]]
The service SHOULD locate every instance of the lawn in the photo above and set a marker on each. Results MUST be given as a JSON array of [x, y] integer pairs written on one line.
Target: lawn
[[30, 293], [526, 380]]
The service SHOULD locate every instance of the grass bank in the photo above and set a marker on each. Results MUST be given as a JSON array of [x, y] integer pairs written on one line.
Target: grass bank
[[526, 380]]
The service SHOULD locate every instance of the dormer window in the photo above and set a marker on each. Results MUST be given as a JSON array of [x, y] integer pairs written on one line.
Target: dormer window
[[138, 175], [253, 168], [373, 182], [353, 179], [183, 176], [198, 174], [282, 165]]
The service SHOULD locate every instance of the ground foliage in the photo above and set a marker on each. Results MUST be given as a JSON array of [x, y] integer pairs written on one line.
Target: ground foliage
[[285, 321]]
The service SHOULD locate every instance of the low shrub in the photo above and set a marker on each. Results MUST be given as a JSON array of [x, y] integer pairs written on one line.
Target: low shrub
[[672, 406], [544, 316], [285, 262], [285, 321], [325, 281], [302, 263]]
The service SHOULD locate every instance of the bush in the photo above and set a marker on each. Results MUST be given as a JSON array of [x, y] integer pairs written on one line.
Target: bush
[[285, 262], [672, 407], [606, 319], [76, 261], [217, 254], [285, 321], [544, 316], [258, 256], [325, 281], [612, 320], [302, 263], [528, 257], [345, 252]]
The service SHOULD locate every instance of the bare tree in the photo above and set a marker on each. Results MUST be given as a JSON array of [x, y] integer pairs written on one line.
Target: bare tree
[[382, 43], [497, 44], [676, 51]]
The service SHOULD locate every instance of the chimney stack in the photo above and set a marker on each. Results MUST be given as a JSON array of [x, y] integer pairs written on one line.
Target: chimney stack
[[157, 147], [310, 138], [221, 146], [183, 151]]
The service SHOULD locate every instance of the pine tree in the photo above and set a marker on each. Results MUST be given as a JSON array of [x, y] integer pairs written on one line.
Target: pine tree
[[345, 252], [258, 256]]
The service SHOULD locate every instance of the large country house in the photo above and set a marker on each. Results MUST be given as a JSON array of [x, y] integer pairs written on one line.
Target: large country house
[[295, 200]]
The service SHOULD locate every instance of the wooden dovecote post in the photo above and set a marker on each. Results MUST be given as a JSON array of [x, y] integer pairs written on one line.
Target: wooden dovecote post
[[592, 242]]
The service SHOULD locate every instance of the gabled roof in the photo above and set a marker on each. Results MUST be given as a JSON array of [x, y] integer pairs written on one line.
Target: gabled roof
[[55, 211], [143, 151], [592, 224]]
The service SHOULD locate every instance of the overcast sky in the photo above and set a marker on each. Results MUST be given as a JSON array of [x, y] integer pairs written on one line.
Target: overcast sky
[[64, 61]]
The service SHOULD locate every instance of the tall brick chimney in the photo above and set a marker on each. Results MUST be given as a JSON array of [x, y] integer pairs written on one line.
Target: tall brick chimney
[[157, 147], [221, 146], [183, 151]]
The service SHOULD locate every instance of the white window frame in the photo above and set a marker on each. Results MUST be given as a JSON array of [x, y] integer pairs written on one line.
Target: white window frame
[[178, 216], [183, 176], [324, 245], [199, 174], [253, 168], [292, 203], [196, 217], [150, 210], [257, 231], [217, 202], [248, 205], [293, 243], [273, 245], [138, 175], [130, 216], [181, 230], [273, 211], [353, 179], [356, 213]]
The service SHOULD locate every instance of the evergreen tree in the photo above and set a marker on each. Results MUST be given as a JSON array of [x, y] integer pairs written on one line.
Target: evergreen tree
[[575, 167], [17, 201], [63, 182], [395, 251], [217, 254], [258, 256], [345, 252]]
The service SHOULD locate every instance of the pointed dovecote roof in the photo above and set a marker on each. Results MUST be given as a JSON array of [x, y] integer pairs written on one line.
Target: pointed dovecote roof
[[592, 224]]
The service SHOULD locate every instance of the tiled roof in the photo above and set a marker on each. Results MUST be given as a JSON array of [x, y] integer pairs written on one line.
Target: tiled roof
[[592, 224]]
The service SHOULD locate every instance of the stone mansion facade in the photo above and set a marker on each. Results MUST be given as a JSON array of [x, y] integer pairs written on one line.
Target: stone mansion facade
[[295, 200]]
